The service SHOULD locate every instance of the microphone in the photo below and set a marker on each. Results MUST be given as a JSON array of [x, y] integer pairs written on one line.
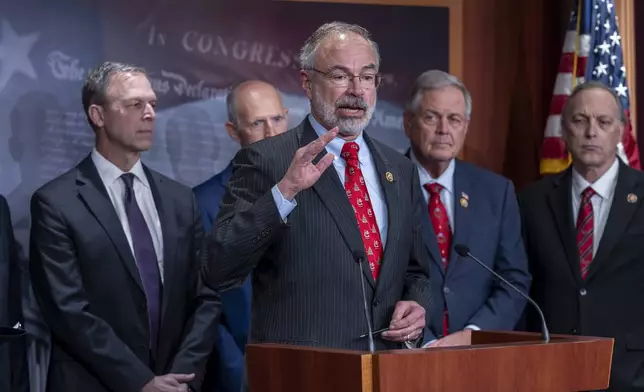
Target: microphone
[[464, 251], [360, 256]]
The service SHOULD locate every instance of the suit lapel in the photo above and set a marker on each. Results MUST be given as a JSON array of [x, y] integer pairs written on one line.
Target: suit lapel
[[95, 196], [464, 213], [388, 183], [619, 217], [560, 201], [165, 209], [331, 191]]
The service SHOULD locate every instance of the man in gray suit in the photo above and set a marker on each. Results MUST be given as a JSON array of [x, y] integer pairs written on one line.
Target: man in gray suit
[[114, 256], [310, 235]]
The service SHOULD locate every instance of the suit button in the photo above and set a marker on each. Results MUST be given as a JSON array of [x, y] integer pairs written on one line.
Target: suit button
[[376, 302], [573, 331], [582, 292], [446, 290]]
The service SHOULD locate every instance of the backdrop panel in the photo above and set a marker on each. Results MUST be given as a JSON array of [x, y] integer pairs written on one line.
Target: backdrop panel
[[195, 51]]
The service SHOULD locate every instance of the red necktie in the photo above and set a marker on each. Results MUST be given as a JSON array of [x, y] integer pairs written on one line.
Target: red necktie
[[440, 221], [356, 188], [585, 229]]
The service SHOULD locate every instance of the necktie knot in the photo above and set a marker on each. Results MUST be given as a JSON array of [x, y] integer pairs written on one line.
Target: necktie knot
[[350, 152], [434, 188], [587, 194], [128, 180]]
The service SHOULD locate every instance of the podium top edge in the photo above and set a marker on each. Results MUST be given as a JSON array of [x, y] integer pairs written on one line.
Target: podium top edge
[[555, 340]]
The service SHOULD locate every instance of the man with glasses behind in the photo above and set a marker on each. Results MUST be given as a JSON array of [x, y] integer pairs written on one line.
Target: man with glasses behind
[[311, 236]]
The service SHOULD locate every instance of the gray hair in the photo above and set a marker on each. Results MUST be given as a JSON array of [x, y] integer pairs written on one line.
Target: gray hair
[[98, 80], [592, 84], [434, 80], [308, 51], [231, 108]]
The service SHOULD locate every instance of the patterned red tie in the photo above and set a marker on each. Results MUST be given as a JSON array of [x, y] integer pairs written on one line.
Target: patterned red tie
[[585, 229], [440, 221], [356, 188]]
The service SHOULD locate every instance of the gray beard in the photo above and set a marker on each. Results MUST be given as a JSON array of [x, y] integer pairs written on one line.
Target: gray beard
[[347, 126]]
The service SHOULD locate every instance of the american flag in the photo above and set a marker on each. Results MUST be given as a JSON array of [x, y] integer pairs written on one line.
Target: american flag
[[592, 51]]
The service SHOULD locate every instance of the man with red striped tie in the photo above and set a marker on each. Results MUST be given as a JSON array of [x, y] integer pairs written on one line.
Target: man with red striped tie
[[465, 205], [584, 235], [322, 211]]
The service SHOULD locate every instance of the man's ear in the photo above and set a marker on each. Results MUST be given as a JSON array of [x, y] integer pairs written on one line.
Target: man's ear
[[305, 79], [408, 117], [97, 115], [232, 131]]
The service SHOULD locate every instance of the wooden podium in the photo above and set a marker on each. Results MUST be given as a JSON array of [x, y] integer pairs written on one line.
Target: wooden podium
[[495, 361]]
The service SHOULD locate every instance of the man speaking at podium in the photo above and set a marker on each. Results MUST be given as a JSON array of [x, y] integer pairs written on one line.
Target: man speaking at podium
[[311, 234]]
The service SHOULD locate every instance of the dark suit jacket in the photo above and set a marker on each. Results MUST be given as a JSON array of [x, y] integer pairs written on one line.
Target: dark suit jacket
[[609, 301], [226, 365], [91, 295], [13, 360], [306, 282], [490, 225]]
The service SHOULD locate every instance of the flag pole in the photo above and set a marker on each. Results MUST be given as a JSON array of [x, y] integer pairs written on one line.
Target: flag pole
[[577, 44]]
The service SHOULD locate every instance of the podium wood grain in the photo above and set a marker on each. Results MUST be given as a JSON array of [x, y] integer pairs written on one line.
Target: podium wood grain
[[495, 361]]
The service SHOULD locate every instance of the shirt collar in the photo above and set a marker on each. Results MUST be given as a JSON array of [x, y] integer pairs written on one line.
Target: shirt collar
[[335, 145], [446, 180], [109, 172], [604, 185]]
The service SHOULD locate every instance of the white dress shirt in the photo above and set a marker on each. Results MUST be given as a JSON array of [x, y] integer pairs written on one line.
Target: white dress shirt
[[369, 172], [604, 189], [111, 176]]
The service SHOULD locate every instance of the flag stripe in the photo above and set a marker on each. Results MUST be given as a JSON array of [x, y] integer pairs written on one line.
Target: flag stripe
[[567, 61], [570, 43], [556, 106], [553, 128]]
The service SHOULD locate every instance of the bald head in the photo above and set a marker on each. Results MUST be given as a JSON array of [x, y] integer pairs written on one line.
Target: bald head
[[255, 112]]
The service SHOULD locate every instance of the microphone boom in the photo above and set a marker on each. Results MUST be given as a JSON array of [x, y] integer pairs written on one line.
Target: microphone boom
[[464, 251]]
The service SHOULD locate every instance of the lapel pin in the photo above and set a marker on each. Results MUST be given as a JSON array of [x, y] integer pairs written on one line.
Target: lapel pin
[[464, 200], [389, 176], [631, 198]]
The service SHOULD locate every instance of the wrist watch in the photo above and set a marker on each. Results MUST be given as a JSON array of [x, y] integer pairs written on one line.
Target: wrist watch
[[414, 343]]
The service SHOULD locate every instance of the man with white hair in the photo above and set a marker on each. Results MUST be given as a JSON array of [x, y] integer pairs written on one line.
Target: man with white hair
[[311, 236], [463, 205]]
